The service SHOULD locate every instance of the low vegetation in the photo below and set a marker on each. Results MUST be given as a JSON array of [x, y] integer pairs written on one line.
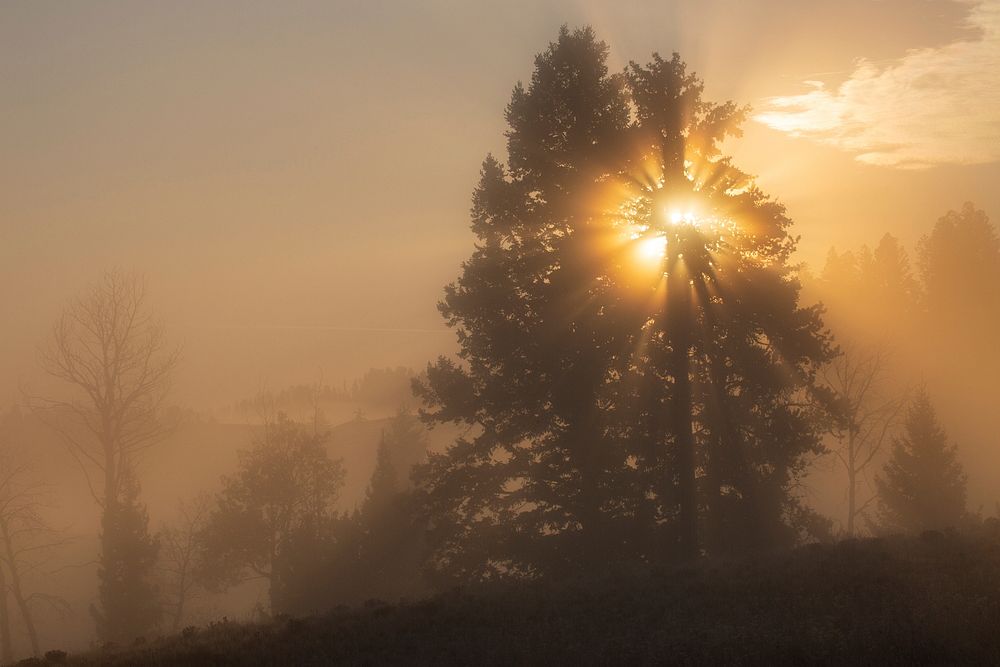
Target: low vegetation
[[932, 599]]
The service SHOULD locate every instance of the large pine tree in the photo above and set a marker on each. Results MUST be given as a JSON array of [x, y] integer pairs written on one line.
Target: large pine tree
[[922, 486], [632, 352]]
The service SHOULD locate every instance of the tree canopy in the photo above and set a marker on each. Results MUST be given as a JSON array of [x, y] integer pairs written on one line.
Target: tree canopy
[[283, 492], [633, 359]]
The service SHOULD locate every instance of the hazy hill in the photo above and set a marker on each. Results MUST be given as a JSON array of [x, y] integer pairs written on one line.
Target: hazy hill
[[929, 600]]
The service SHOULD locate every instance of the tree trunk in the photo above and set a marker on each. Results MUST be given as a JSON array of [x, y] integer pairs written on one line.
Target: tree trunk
[[6, 649], [679, 326], [584, 442], [109, 521], [179, 613], [18, 591], [715, 520], [111, 473], [181, 597], [852, 475], [723, 458]]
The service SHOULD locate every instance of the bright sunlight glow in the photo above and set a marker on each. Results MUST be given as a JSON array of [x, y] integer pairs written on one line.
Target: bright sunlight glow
[[652, 249], [679, 217]]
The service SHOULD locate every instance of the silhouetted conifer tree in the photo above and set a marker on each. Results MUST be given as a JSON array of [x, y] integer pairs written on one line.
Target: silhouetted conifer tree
[[618, 412], [922, 486], [392, 548], [383, 487], [129, 600]]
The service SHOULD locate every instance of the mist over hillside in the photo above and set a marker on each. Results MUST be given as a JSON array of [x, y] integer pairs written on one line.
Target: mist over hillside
[[550, 332]]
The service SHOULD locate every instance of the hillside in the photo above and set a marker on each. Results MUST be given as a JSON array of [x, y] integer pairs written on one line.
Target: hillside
[[934, 599]]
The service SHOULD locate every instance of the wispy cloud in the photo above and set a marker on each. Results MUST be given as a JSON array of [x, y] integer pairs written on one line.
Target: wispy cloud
[[933, 106]]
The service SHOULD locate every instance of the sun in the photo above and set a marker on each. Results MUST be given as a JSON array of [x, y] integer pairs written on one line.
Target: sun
[[681, 216]]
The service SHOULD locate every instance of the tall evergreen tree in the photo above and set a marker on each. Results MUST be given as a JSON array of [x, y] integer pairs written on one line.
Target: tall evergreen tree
[[630, 335], [392, 547], [522, 493], [130, 604], [384, 485], [922, 486], [405, 443]]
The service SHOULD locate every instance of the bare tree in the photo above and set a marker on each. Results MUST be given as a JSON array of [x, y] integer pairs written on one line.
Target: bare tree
[[27, 543], [866, 413], [180, 556], [113, 353]]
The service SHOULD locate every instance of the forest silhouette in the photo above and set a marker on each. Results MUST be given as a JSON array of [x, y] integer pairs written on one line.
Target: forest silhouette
[[647, 385]]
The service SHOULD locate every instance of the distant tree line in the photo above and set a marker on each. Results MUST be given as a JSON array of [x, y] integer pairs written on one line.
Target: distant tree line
[[936, 319], [949, 295], [379, 388]]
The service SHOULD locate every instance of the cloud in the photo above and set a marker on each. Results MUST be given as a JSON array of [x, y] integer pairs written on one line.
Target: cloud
[[933, 106]]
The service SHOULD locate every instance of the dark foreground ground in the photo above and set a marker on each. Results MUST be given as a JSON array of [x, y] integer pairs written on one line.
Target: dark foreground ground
[[928, 600]]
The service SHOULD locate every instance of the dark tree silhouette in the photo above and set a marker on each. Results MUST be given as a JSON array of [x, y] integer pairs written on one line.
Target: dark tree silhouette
[[393, 548], [922, 486], [633, 359], [525, 491], [130, 604], [384, 485], [282, 494], [404, 440]]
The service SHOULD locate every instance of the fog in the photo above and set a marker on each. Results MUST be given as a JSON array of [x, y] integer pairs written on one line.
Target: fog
[[275, 197]]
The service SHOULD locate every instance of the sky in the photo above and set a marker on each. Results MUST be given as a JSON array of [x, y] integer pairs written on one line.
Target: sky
[[294, 178]]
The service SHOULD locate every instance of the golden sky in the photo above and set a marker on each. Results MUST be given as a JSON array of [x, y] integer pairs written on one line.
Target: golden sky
[[294, 178]]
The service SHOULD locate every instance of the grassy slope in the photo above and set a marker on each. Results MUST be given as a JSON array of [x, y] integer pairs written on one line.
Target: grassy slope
[[934, 599]]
